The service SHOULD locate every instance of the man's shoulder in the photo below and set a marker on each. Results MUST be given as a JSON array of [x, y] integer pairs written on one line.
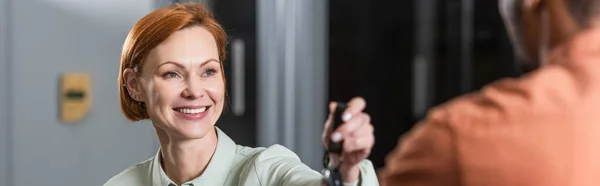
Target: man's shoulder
[[542, 93], [137, 174]]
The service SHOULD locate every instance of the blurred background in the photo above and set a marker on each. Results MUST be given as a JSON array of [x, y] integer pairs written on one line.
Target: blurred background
[[286, 61]]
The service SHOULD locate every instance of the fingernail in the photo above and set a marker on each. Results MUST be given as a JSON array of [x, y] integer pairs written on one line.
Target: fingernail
[[346, 117], [336, 137]]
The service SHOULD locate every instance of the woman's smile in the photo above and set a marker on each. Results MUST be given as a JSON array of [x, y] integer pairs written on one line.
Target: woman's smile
[[192, 112]]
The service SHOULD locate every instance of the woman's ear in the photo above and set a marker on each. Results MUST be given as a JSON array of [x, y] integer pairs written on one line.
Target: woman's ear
[[132, 82]]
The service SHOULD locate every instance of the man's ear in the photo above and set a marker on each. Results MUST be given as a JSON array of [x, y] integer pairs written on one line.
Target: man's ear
[[532, 4], [133, 85]]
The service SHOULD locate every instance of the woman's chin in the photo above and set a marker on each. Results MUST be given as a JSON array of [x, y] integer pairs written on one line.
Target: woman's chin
[[194, 131]]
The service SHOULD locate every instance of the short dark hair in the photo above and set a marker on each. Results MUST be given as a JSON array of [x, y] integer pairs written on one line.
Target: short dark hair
[[583, 11]]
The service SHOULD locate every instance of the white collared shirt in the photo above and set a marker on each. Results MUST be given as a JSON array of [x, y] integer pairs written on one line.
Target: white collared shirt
[[233, 165]]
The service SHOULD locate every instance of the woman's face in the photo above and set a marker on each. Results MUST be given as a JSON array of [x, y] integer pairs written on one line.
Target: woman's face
[[182, 85]]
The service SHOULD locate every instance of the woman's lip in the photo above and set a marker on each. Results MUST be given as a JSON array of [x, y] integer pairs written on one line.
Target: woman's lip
[[197, 116], [191, 107]]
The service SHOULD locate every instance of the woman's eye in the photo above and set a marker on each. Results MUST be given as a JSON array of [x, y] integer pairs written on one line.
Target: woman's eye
[[209, 72], [170, 75]]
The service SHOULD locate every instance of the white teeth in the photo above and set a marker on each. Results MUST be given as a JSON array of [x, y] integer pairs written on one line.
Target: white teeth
[[191, 111]]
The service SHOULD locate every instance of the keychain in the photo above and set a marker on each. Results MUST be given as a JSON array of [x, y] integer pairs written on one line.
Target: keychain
[[331, 173]]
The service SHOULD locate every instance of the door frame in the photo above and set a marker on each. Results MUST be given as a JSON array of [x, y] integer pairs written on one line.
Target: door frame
[[5, 90], [292, 107]]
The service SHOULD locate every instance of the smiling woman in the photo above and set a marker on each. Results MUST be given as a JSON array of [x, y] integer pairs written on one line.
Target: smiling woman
[[182, 81], [159, 26], [172, 73]]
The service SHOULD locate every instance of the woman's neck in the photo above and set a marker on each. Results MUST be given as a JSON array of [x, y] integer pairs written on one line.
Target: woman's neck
[[185, 159]]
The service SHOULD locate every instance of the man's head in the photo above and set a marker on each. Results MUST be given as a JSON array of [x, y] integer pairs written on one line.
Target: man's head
[[537, 26]]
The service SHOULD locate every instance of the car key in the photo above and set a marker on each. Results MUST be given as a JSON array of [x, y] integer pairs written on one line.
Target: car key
[[331, 173]]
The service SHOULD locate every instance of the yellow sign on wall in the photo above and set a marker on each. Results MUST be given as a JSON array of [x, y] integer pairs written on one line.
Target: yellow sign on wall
[[75, 96]]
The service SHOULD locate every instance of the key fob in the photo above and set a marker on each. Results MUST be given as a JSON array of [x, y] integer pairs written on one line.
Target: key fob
[[332, 177], [337, 121]]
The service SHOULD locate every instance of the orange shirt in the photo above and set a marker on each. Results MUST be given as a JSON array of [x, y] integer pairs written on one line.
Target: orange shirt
[[542, 129]]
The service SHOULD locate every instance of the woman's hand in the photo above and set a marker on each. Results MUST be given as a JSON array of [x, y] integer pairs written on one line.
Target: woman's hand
[[357, 134]]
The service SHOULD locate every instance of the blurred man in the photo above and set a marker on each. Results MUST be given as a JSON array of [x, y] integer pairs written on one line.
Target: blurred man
[[542, 129]]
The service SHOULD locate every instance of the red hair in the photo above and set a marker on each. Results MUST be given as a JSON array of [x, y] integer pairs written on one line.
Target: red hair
[[152, 30]]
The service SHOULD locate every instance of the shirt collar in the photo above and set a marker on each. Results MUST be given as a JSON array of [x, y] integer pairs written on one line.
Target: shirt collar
[[215, 173]]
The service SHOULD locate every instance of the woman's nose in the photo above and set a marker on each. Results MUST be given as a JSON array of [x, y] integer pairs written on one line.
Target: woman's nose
[[193, 90]]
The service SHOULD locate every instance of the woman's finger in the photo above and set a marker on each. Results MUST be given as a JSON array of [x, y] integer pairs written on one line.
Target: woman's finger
[[350, 127], [355, 105], [358, 143]]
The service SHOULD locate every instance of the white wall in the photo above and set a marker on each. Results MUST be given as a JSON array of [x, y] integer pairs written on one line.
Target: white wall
[[47, 38]]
